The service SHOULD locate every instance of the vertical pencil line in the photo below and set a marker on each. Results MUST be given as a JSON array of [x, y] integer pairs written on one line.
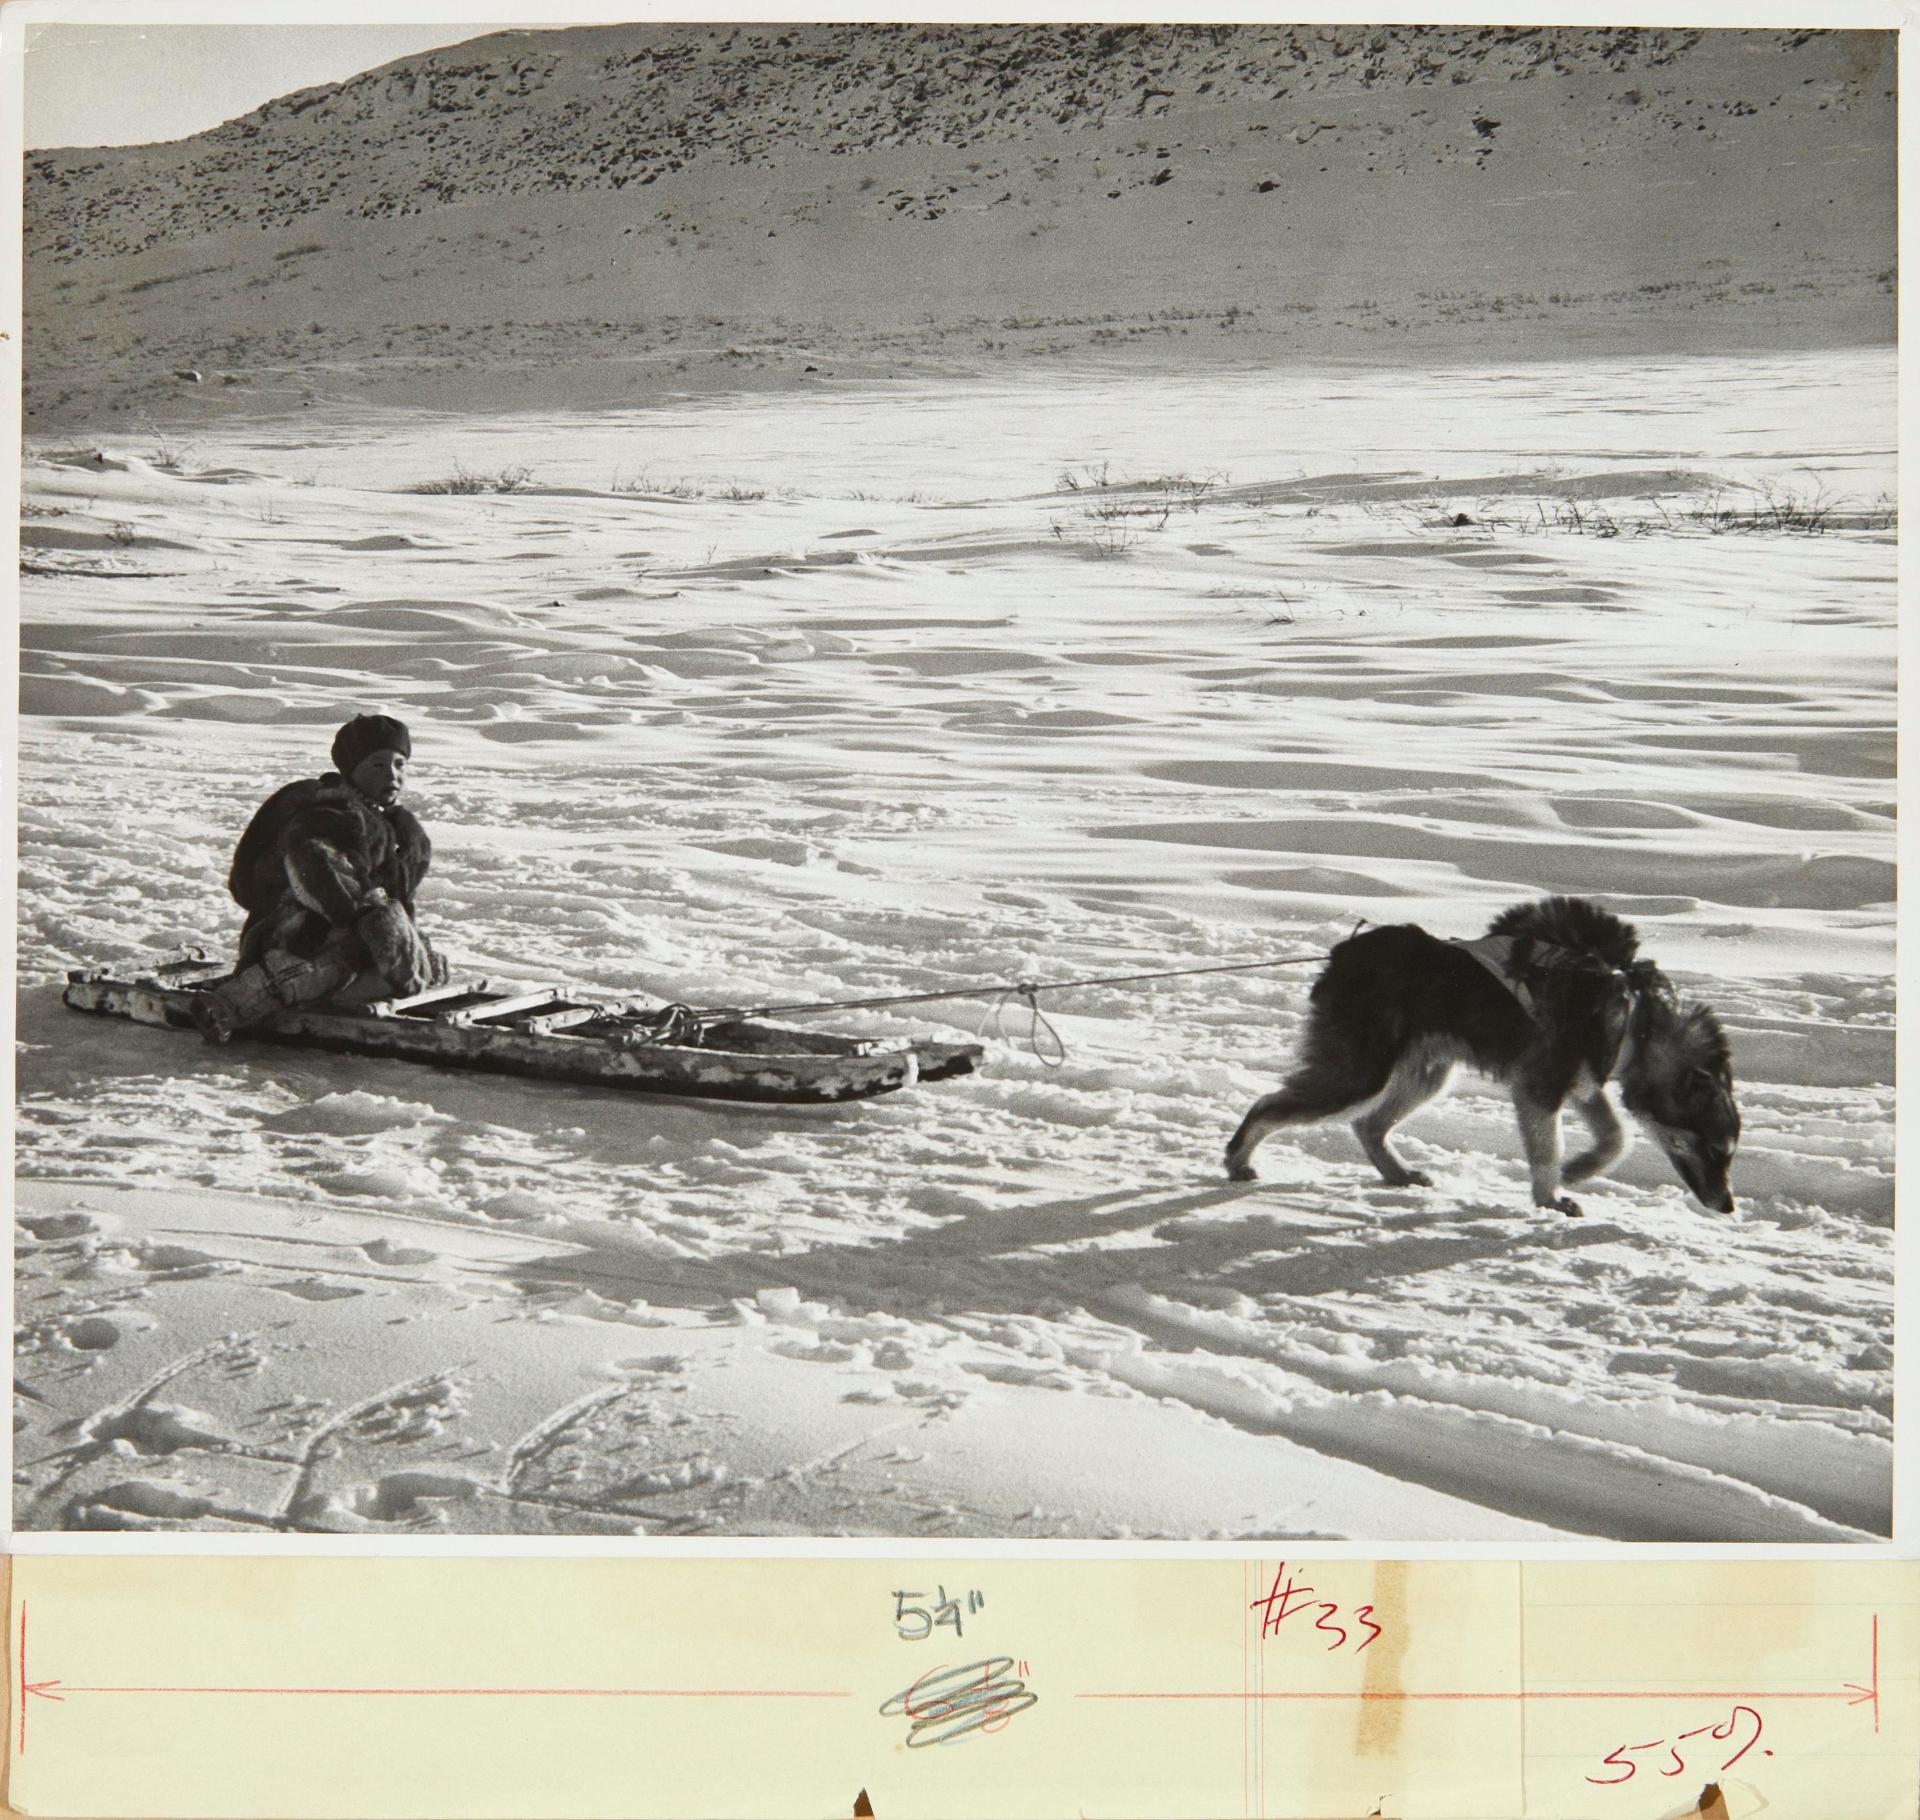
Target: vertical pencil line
[[22, 1692], [1246, 1689], [1526, 1805], [1260, 1707]]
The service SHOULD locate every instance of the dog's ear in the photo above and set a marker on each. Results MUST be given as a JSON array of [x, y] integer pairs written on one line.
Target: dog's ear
[[1706, 1084], [1649, 983]]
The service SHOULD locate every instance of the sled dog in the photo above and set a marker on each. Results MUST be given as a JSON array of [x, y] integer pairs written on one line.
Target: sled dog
[[1554, 1003]]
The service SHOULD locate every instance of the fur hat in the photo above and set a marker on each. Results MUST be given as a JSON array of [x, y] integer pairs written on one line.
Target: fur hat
[[366, 734]]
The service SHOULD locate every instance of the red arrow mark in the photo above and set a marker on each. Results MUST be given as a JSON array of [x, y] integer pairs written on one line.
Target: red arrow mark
[[1861, 1695], [43, 1690]]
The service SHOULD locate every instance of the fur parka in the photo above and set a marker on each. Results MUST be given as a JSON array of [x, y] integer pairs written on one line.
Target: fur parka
[[315, 856]]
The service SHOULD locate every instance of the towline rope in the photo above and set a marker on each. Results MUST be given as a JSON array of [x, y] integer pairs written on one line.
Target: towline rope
[[1025, 992]]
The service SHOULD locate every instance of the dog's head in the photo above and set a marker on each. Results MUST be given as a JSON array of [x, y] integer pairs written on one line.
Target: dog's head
[[1679, 1085]]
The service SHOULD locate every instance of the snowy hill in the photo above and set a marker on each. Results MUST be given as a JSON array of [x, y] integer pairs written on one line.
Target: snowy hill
[[597, 210]]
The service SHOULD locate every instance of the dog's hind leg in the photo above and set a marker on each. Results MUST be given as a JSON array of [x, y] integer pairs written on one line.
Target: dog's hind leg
[[1415, 1080], [1610, 1138], [1309, 1095]]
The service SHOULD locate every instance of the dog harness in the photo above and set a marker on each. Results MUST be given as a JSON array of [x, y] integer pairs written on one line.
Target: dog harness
[[1495, 953]]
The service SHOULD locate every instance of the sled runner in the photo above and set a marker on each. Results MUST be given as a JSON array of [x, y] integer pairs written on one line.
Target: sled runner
[[551, 1034]]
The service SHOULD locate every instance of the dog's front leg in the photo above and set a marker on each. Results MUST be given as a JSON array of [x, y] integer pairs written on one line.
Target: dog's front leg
[[1540, 1137], [1610, 1138]]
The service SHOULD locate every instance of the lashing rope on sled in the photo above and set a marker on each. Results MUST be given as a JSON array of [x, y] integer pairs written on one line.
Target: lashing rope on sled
[[1051, 1049]]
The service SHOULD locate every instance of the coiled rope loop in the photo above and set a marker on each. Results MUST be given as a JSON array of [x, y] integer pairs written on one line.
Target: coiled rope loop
[[1054, 1051]]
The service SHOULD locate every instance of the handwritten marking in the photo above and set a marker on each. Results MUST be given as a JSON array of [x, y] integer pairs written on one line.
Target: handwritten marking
[[945, 1611], [1618, 1757], [948, 1704], [1277, 1609]]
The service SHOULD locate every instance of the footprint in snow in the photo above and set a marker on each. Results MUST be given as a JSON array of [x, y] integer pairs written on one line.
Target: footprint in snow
[[416, 1499], [157, 1428], [317, 1289], [49, 1228], [179, 1261], [91, 1333], [385, 1251]]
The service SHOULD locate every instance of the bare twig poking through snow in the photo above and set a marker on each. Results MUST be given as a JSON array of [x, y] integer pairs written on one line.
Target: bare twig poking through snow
[[168, 456], [1088, 479], [465, 480], [1768, 508], [1127, 509], [646, 487], [1590, 520], [1154, 513], [1763, 509], [1105, 538]]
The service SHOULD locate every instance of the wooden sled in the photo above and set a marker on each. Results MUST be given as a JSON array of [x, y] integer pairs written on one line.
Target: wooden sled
[[549, 1034]]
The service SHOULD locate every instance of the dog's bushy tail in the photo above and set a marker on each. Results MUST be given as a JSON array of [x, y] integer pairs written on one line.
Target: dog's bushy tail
[[1577, 923]]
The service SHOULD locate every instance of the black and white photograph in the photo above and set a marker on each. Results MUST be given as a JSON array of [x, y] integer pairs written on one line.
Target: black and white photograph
[[1028, 781]]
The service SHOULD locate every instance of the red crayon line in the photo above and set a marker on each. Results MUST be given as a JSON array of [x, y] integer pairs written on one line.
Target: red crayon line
[[1876, 1674], [488, 1693], [1689, 1693]]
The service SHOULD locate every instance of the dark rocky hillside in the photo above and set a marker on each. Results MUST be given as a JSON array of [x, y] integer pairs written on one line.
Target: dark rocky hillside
[[598, 211]]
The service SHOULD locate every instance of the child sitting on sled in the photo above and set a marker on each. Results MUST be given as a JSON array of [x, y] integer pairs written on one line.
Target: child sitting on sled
[[326, 872]]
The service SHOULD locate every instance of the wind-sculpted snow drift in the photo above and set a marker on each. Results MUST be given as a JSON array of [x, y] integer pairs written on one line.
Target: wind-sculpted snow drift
[[832, 696]]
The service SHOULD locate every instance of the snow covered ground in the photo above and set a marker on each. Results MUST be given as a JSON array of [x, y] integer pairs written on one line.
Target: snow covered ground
[[829, 695]]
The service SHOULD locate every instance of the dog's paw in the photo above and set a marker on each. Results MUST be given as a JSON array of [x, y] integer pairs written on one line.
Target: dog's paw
[[1563, 1203], [1240, 1171], [1398, 1177]]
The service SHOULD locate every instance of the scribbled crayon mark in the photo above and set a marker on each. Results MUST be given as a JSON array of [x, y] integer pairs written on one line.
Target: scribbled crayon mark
[[946, 1705]]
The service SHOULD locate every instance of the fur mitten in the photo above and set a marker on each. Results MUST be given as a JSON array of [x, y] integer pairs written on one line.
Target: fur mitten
[[395, 947]]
